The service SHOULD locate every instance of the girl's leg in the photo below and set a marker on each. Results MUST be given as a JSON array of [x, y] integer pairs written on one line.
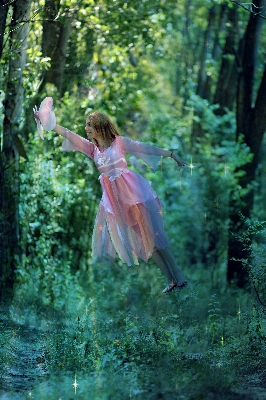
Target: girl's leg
[[165, 260], [177, 274], [161, 262]]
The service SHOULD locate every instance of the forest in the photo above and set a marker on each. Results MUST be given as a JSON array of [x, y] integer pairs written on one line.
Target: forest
[[187, 76]]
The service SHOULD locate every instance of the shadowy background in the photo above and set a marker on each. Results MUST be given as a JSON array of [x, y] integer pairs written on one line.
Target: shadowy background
[[188, 76]]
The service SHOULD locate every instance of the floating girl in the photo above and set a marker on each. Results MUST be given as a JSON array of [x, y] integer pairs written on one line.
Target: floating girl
[[129, 220]]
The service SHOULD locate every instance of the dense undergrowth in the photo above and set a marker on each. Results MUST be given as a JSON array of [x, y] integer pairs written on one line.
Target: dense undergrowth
[[123, 339]]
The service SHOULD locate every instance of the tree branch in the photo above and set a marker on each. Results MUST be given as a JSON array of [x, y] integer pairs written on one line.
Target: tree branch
[[249, 10], [9, 3]]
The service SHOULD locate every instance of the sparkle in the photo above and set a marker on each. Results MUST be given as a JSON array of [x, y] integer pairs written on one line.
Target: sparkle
[[222, 340], [191, 166], [239, 313], [219, 364], [30, 394], [161, 212], [75, 384]]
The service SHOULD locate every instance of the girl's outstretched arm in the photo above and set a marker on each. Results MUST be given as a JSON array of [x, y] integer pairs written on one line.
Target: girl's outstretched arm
[[72, 141], [75, 142], [148, 153]]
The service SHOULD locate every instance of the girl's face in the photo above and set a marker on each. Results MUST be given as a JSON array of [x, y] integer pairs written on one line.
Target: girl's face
[[91, 133]]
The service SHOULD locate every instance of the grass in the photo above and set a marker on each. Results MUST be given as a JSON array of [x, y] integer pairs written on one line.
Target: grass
[[123, 339]]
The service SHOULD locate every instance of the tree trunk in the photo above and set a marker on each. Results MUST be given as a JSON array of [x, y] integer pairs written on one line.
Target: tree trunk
[[56, 73], [251, 122], [202, 77], [54, 43], [197, 130], [9, 166], [225, 93], [217, 50]]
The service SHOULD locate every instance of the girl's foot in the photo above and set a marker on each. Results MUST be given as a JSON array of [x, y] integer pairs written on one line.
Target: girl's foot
[[173, 285]]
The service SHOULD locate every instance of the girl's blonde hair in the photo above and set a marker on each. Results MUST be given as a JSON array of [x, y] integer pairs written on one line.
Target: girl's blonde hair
[[104, 126]]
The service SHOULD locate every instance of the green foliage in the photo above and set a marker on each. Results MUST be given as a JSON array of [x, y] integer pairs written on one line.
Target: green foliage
[[56, 194], [253, 240], [106, 323], [154, 343]]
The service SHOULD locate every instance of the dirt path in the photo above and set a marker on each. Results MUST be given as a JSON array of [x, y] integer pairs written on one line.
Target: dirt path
[[22, 357]]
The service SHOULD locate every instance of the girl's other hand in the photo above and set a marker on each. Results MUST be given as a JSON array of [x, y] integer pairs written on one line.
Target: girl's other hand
[[38, 121], [179, 161], [36, 114]]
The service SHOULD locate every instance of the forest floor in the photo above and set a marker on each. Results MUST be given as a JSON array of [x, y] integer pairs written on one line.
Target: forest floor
[[112, 351]]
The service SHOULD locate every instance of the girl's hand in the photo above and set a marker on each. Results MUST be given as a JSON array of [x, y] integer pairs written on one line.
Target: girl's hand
[[178, 160], [36, 114], [38, 121], [45, 117]]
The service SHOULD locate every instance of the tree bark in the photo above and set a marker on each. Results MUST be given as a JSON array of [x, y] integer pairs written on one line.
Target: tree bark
[[251, 122], [197, 130], [202, 77], [56, 73], [225, 94], [9, 166], [217, 49], [54, 43]]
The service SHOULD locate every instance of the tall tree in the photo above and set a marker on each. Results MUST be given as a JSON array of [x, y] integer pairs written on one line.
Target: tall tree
[[56, 32], [9, 166], [225, 92], [208, 37], [251, 123]]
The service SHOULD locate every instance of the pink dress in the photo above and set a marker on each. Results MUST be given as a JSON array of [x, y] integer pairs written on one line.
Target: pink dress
[[129, 220]]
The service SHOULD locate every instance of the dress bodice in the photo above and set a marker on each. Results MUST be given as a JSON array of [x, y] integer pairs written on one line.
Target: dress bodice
[[111, 162]]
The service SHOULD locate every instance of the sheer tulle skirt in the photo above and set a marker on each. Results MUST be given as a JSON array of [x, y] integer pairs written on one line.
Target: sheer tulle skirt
[[129, 221]]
